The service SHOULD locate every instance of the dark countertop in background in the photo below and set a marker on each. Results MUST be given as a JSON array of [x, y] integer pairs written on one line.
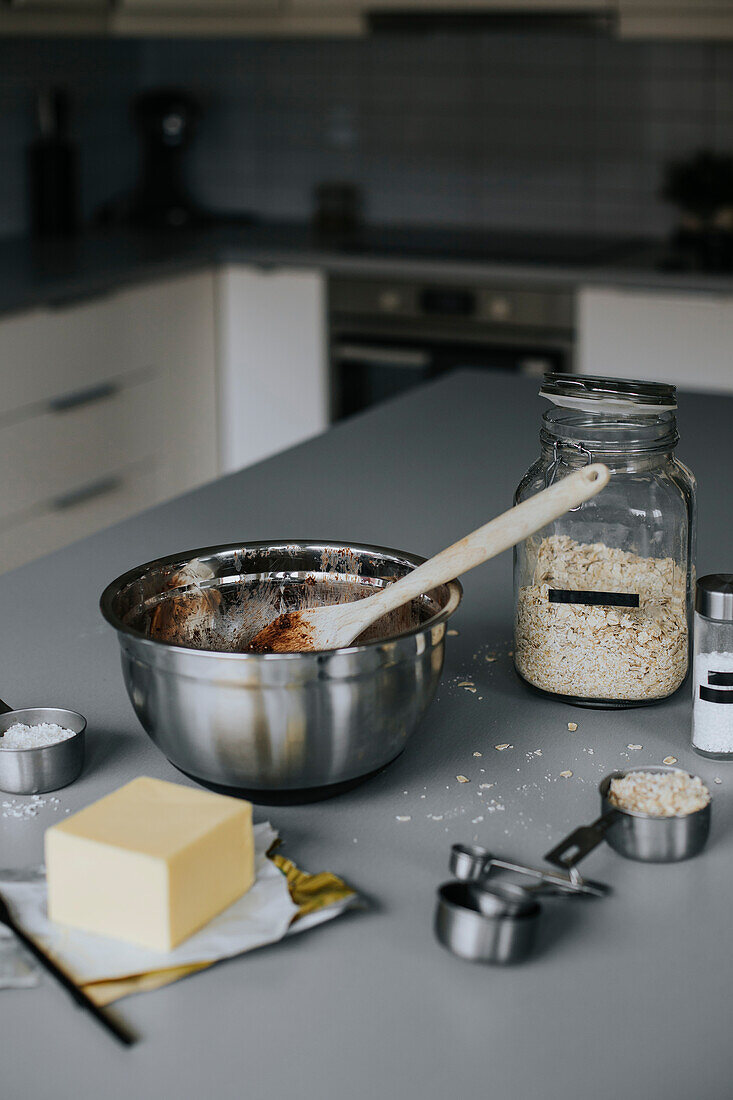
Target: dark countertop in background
[[37, 273]]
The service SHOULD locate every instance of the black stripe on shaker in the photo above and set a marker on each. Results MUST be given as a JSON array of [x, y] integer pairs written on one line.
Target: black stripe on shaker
[[601, 599], [722, 679], [715, 695]]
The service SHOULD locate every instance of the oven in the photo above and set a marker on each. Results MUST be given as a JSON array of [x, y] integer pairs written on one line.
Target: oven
[[388, 335]]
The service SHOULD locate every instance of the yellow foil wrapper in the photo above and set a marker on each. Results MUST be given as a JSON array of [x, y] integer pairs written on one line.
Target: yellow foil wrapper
[[310, 893]]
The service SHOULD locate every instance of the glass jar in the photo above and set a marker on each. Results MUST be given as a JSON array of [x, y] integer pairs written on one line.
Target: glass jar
[[712, 677], [603, 596]]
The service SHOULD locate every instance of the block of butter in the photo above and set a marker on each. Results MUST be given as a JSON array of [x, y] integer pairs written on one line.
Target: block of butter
[[150, 863]]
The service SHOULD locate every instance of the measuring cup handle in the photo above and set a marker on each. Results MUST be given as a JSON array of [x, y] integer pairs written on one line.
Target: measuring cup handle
[[581, 842]]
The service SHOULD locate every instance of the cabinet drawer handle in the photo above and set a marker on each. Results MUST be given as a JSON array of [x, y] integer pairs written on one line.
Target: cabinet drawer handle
[[94, 489], [83, 397]]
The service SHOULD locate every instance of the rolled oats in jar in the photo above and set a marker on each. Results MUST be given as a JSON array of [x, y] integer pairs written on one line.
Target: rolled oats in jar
[[603, 594]]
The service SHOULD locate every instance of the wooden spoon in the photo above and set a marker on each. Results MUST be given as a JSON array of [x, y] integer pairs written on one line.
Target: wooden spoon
[[337, 625]]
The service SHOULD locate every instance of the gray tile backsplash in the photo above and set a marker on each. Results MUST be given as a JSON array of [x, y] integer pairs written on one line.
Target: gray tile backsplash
[[544, 131]]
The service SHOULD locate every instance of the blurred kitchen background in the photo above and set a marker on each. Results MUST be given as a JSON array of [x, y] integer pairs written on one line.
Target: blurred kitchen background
[[226, 225]]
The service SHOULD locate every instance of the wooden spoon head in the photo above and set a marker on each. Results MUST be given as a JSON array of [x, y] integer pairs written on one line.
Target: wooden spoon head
[[288, 633]]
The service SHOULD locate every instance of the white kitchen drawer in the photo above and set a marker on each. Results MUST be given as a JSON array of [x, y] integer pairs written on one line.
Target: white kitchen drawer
[[49, 456], [47, 353], [108, 500]]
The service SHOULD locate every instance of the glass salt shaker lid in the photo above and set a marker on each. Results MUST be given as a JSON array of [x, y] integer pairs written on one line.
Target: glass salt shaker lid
[[714, 596], [599, 394]]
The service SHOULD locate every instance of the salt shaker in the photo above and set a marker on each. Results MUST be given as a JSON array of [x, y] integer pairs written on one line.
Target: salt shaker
[[712, 681]]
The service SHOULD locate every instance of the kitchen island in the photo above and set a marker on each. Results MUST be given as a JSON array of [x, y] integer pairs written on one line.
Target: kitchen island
[[628, 996]]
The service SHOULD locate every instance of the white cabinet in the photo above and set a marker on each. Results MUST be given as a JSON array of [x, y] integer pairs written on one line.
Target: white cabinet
[[666, 336], [272, 361], [108, 407], [675, 18]]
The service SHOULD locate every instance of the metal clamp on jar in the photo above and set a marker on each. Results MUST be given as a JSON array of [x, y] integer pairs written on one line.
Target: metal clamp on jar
[[603, 595]]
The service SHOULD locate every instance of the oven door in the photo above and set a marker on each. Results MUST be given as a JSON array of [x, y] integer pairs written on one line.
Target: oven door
[[368, 369]]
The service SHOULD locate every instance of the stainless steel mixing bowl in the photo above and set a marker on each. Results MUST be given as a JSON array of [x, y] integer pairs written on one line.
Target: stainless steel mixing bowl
[[285, 727]]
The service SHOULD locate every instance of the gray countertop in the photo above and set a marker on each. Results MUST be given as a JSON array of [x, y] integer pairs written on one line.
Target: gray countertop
[[630, 996], [36, 273]]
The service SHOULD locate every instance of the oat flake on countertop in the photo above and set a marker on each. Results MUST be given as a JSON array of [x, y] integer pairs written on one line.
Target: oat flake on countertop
[[403, 817], [506, 745], [463, 779], [566, 774], [572, 726], [635, 747], [478, 754], [717, 779], [670, 760]]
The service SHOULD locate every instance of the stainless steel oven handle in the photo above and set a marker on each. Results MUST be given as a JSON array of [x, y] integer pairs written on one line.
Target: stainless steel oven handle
[[382, 356]]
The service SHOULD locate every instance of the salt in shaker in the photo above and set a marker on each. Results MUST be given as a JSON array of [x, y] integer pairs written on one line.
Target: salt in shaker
[[712, 681]]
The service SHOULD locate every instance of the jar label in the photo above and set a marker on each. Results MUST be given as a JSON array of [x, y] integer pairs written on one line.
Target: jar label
[[602, 599]]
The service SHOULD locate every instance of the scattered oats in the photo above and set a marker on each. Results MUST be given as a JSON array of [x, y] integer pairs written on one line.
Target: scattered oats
[[590, 751], [506, 745], [437, 817], [538, 752], [463, 779], [403, 817], [593, 652], [662, 794], [452, 633], [566, 774], [490, 659], [634, 747], [486, 786], [478, 754], [466, 684], [572, 726], [476, 820], [423, 796], [717, 779], [670, 760]]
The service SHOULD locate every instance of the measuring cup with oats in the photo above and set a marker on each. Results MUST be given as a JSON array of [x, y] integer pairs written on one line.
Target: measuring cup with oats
[[603, 596]]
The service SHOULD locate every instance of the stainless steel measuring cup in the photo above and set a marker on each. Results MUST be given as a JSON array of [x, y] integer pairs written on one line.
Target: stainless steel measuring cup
[[645, 837], [34, 771], [472, 863], [494, 923], [485, 918]]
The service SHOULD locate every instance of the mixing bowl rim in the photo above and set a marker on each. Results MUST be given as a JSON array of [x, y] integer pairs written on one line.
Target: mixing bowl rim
[[119, 583]]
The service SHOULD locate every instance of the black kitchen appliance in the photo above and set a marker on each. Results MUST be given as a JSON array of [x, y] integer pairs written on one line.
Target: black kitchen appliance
[[166, 119], [53, 168], [388, 335]]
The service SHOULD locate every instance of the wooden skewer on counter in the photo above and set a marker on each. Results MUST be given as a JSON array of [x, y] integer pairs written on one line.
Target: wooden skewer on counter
[[335, 626]]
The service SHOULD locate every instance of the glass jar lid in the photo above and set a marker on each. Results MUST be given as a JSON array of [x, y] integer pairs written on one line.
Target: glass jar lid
[[714, 596], [618, 395]]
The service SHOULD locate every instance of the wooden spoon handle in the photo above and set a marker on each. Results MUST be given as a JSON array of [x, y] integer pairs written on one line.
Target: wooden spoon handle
[[486, 542]]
